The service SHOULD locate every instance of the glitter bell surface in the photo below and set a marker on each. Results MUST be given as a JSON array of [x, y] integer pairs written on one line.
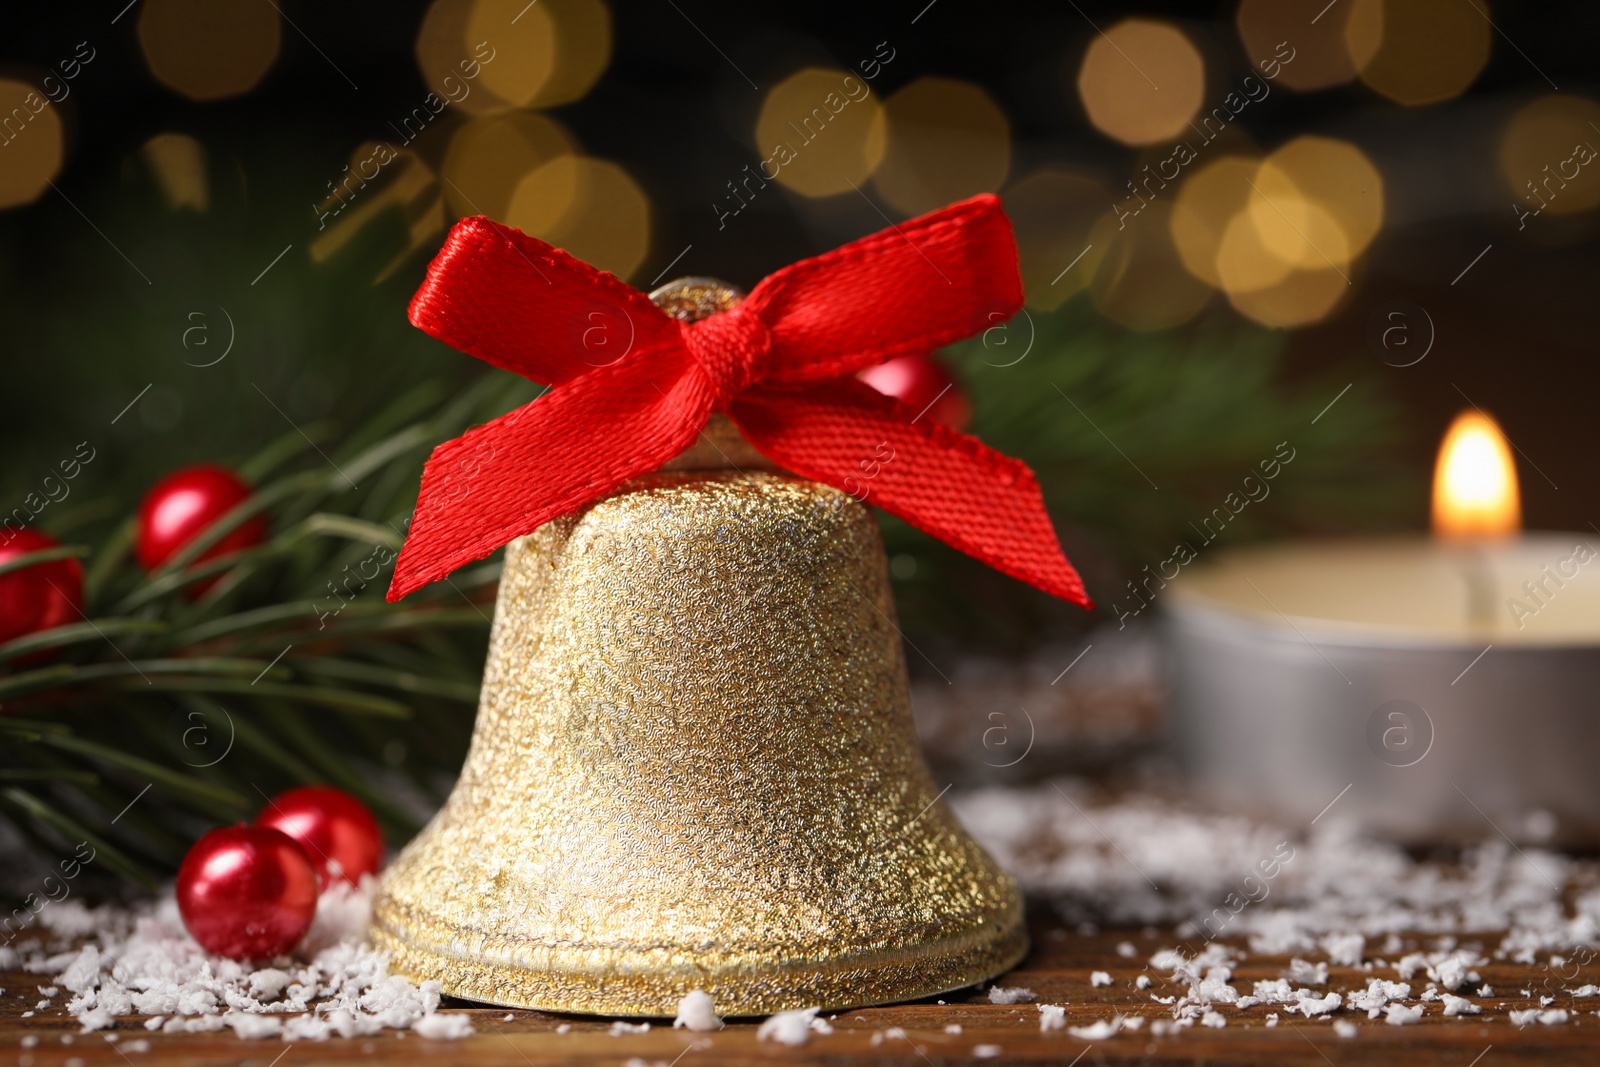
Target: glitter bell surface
[[694, 767]]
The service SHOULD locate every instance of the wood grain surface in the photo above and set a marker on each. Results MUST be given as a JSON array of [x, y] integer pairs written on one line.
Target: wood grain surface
[[1058, 970]]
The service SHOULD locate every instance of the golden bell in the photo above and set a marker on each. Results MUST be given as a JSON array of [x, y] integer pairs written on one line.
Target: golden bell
[[694, 767]]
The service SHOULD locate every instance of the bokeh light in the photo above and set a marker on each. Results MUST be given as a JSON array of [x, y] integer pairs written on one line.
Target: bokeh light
[[543, 197], [819, 131], [1052, 211], [1211, 198], [1318, 53], [1300, 298], [178, 163], [1545, 156], [1279, 235], [491, 154], [1320, 202], [208, 51], [489, 55], [547, 53], [608, 225], [1244, 262], [33, 148], [948, 140], [442, 48], [1141, 81], [1419, 51], [1140, 282]]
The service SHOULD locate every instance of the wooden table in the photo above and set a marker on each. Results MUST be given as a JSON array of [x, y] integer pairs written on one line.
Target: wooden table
[[1058, 970]]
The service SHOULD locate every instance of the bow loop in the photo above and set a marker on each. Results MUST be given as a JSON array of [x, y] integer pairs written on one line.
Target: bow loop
[[781, 364], [731, 349]]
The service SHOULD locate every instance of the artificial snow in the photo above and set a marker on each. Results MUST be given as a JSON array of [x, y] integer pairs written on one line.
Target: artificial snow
[[1306, 973], [142, 962], [695, 1013], [443, 1027], [618, 1028], [1335, 896], [1099, 978], [1052, 1017], [1097, 1031], [1142, 859], [1016, 995], [788, 1027]]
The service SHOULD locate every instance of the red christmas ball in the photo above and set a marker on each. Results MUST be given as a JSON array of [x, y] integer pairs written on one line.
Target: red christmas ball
[[337, 831], [919, 381], [40, 597], [247, 892], [183, 505]]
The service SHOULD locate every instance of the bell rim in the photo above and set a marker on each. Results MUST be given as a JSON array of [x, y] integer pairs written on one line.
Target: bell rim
[[608, 983]]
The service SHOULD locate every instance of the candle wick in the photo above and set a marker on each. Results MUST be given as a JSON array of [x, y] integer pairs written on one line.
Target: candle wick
[[1472, 563]]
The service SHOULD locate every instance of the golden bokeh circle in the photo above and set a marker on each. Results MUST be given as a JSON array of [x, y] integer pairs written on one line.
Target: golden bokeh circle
[[1244, 261], [1319, 201], [1547, 143], [1419, 51], [524, 54], [544, 196], [1052, 212], [1293, 227], [1209, 200], [490, 155], [608, 224], [948, 140], [1319, 55], [583, 51], [32, 152], [1299, 299], [490, 55], [441, 52], [1141, 81], [208, 51], [1140, 282], [820, 130], [1363, 31]]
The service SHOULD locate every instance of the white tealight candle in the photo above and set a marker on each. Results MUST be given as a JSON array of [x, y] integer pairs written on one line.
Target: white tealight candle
[[1430, 688]]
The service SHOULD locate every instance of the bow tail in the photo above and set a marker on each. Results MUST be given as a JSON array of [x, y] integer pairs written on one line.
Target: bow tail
[[945, 483], [551, 456]]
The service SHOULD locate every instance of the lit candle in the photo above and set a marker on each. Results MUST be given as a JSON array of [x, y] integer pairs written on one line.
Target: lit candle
[[1475, 500], [1433, 685]]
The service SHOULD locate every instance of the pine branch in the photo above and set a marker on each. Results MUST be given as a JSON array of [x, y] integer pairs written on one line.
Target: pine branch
[[190, 708]]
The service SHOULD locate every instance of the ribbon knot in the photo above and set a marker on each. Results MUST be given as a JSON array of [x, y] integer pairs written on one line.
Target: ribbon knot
[[731, 350], [782, 364]]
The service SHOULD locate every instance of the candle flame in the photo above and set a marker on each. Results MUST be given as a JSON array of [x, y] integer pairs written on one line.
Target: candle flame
[[1475, 481]]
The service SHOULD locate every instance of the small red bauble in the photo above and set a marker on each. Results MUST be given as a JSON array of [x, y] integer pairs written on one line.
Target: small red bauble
[[40, 597], [247, 892], [183, 505], [337, 831], [919, 381]]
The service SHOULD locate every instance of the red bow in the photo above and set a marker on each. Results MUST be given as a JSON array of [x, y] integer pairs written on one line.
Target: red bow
[[781, 364]]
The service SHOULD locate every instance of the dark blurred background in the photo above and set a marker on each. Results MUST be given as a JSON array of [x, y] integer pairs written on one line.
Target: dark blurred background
[[189, 267]]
